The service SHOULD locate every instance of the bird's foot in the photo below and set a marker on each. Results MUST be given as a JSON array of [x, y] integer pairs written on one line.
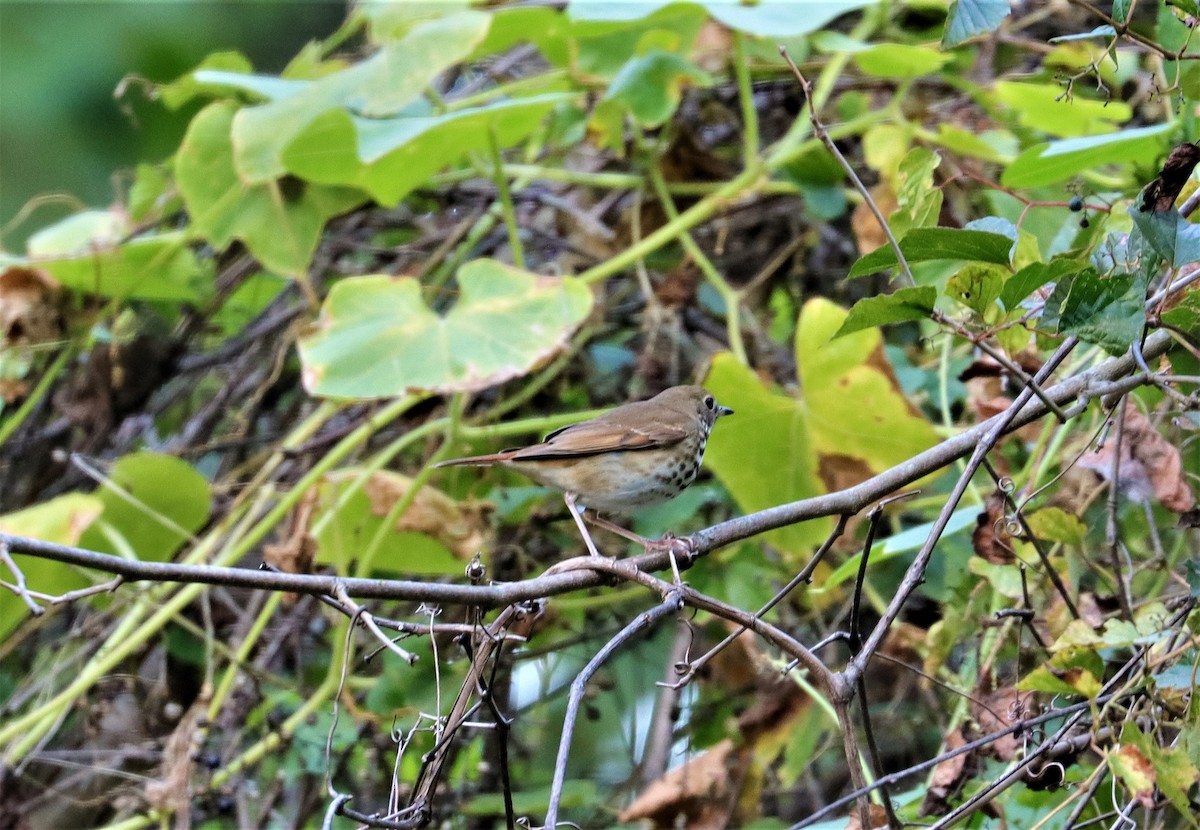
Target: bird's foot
[[678, 549]]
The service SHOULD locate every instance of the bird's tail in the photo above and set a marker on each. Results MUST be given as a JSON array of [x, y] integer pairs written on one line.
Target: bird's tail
[[476, 460]]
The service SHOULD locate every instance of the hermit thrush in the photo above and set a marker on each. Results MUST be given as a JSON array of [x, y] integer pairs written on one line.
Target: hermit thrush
[[636, 455]]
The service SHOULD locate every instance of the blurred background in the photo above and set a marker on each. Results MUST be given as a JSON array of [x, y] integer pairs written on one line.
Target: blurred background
[[63, 133]]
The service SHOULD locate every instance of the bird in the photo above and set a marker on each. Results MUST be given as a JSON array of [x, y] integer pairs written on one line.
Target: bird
[[636, 455]]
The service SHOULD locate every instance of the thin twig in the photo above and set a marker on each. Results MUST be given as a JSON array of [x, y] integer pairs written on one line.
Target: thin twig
[[1121, 587], [20, 588], [820, 132], [670, 605]]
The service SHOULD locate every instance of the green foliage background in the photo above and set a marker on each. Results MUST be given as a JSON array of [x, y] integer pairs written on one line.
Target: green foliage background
[[447, 228]]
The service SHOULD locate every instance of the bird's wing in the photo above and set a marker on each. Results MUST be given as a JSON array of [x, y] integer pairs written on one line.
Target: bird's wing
[[590, 438]]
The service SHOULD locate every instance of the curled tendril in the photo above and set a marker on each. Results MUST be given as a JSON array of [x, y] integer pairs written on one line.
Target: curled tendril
[[1012, 526], [1007, 485]]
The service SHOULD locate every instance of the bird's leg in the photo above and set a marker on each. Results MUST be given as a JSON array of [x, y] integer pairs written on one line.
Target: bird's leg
[[599, 521], [569, 498], [670, 542]]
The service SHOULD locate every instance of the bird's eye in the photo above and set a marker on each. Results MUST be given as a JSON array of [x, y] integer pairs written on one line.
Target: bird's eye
[[710, 402]]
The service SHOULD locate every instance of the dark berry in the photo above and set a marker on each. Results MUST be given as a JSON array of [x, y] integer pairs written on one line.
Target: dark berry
[[1075, 204]]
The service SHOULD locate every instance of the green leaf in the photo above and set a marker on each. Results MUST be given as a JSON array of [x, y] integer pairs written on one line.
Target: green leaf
[[280, 224], [403, 549], [1057, 525], [1072, 671], [182, 90], [1186, 315], [1032, 277], [389, 157], [1003, 579], [650, 85], [1107, 311], [152, 505], [376, 338], [764, 18], [918, 202], [966, 143], [160, 267], [85, 253], [855, 408], [968, 18], [377, 87], [1171, 236], [904, 304], [1057, 160], [1134, 769], [977, 286], [60, 520], [1192, 568], [1046, 108], [764, 454], [392, 21], [900, 61], [931, 244], [908, 540]]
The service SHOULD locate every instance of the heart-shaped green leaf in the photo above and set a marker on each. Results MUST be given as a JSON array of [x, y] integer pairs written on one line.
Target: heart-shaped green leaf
[[388, 157], [376, 337], [379, 86], [280, 223]]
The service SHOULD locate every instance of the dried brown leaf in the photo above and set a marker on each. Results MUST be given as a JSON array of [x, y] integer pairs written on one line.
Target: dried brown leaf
[[698, 794], [948, 776], [29, 306], [460, 526], [868, 235], [1150, 466], [997, 711], [878, 817], [991, 539]]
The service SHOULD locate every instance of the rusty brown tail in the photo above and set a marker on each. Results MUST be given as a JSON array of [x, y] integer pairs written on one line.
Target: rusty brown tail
[[477, 460]]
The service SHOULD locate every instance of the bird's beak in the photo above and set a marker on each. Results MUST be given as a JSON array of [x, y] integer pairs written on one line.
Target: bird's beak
[[723, 410]]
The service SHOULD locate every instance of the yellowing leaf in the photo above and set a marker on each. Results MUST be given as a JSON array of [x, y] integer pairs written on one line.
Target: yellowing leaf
[[1056, 525], [853, 403], [763, 454]]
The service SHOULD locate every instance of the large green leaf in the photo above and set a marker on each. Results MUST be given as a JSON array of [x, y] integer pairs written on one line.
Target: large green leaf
[[764, 454], [280, 223], [389, 157], [377, 338], [160, 267], [152, 505], [85, 252], [1044, 107], [60, 520], [850, 415], [904, 304], [650, 85], [1186, 315], [765, 18], [1106, 310], [1057, 160], [377, 87], [930, 244], [854, 406], [1032, 277], [1171, 236]]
